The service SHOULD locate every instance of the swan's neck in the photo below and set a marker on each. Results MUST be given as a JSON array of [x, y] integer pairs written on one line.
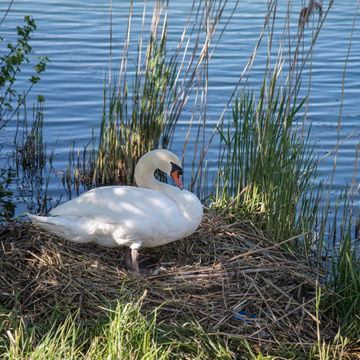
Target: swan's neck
[[150, 182], [145, 178], [144, 174], [187, 201]]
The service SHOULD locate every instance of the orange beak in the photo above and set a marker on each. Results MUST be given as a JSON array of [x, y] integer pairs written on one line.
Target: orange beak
[[176, 176]]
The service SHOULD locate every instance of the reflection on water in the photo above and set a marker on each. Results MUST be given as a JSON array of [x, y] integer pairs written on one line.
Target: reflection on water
[[7, 205], [24, 190]]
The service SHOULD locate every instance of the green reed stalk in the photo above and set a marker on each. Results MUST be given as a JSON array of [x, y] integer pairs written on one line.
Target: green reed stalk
[[343, 299], [143, 115], [134, 121], [30, 149], [266, 172], [31, 162], [129, 129]]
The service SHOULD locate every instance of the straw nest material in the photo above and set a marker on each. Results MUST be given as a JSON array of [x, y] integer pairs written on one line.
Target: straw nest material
[[227, 276]]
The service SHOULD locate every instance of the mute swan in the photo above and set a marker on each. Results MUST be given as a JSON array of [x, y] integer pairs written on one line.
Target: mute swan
[[150, 215]]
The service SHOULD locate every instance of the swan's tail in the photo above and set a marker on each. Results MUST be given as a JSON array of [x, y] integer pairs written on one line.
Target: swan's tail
[[38, 220], [62, 227], [49, 224], [75, 228]]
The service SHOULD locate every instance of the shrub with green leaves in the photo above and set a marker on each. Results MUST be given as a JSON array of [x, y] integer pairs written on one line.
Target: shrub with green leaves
[[31, 151], [10, 66]]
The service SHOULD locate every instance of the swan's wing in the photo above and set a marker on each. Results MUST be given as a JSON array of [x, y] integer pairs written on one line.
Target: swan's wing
[[120, 205]]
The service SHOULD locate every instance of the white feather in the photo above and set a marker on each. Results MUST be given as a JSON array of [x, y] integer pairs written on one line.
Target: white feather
[[125, 215]]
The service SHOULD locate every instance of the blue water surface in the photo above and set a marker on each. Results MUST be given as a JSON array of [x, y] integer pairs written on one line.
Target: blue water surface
[[75, 35]]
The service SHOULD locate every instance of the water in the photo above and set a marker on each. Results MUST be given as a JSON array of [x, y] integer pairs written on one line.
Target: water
[[75, 36]]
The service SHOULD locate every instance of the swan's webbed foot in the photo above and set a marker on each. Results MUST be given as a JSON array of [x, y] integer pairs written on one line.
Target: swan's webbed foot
[[142, 266]]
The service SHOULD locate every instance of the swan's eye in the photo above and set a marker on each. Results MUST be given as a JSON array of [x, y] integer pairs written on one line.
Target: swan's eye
[[175, 173], [175, 168]]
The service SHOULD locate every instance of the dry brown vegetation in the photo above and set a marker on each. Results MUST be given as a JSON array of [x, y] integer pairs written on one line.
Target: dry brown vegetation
[[224, 268]]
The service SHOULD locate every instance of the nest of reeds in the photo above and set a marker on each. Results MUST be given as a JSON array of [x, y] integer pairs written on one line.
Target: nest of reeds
[[228, 277]]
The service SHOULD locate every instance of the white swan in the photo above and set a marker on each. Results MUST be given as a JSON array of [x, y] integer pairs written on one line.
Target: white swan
[[150, 215]]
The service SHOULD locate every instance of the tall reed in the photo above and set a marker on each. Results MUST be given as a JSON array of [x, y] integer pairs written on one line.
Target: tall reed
[[265, 169], [32, 164], [143, 116], [125, 135], [30, 149], [343, 298]]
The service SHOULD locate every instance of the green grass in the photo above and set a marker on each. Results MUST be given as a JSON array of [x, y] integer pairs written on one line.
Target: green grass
[[22, 342], [124, 332], [127, 331], [135, 118], [30, 149], [343, 298], [266, 170]]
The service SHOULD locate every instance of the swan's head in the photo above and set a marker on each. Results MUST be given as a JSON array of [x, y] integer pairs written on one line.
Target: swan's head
[[161, 159]]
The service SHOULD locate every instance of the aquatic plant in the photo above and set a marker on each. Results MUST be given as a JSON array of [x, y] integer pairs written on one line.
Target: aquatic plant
[[266, 171], [30, 150], [143, 116], [31, 163], [10, 66], [29, 153]]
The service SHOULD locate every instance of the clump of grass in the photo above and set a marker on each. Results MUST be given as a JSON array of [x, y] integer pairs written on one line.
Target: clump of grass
[[192, 340], [28, 167], [32, 164], [127, 334], [266, 170], [134, 120], [7, 207], [125, 135], [21, 340], [130, 333]]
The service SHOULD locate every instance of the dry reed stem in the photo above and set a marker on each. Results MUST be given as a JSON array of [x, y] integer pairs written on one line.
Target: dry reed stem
[[220, 270]]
